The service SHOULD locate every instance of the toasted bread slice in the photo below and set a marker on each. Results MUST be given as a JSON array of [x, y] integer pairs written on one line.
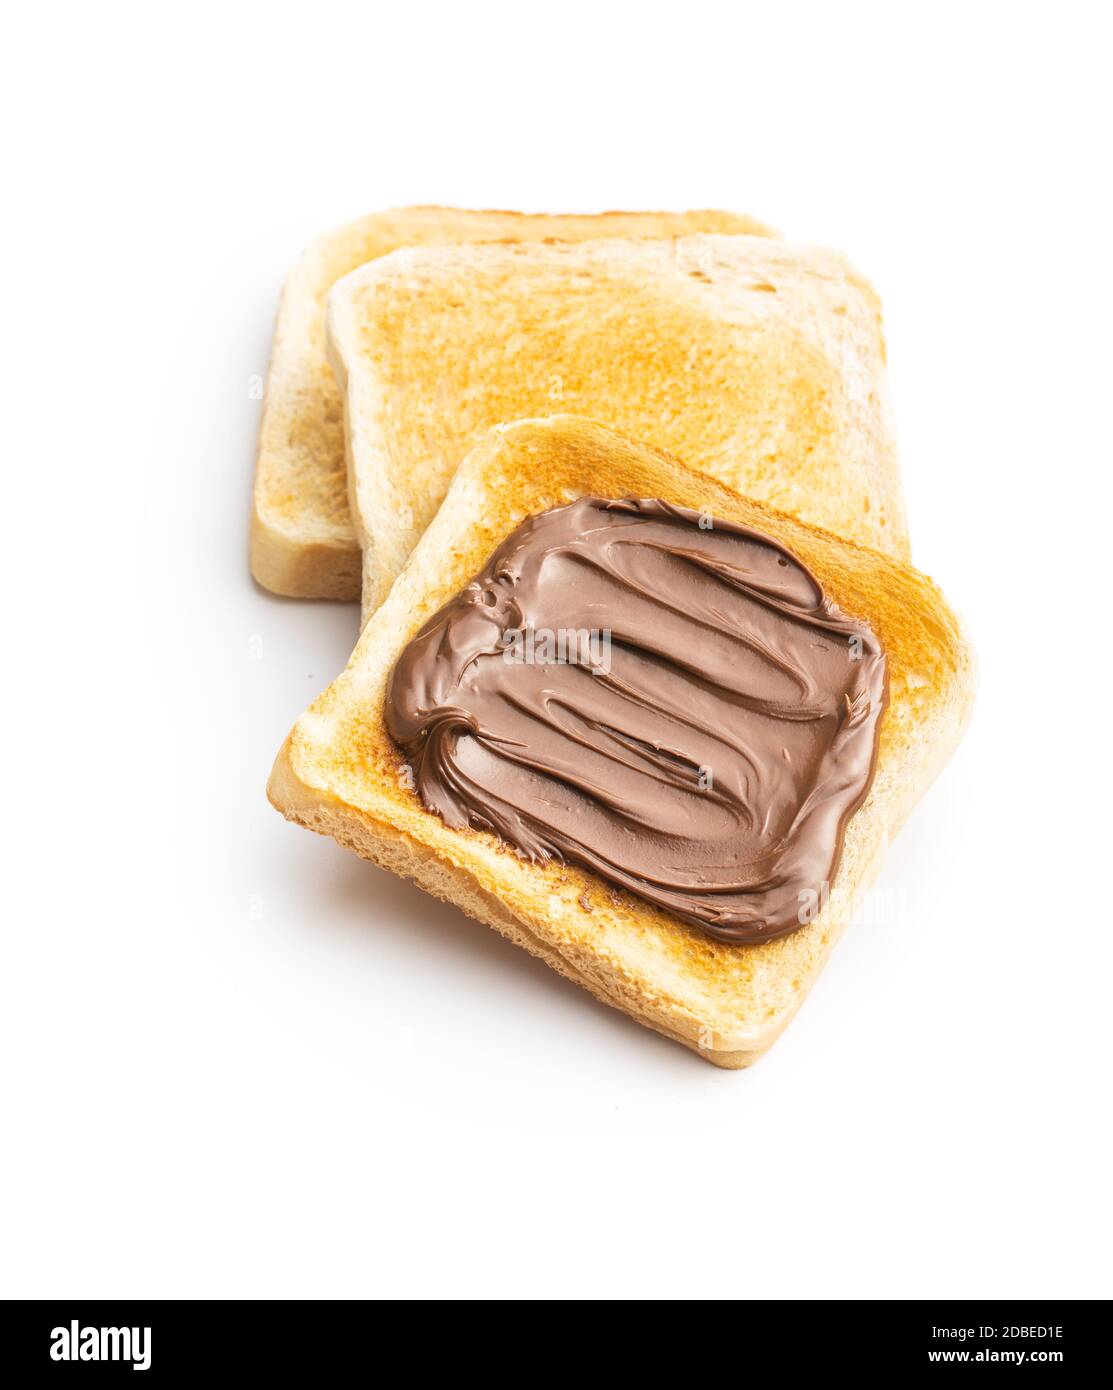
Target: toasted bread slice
[[756, 361], [302, 540], [339, 773]]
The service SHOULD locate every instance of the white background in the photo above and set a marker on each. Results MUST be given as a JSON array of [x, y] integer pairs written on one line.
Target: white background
[[238, 1061]]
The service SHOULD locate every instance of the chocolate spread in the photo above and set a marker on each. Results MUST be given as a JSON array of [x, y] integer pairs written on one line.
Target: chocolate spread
[[665, 698]]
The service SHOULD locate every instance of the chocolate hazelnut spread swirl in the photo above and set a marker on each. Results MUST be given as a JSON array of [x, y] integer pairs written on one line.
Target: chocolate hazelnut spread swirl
[[666, 699]]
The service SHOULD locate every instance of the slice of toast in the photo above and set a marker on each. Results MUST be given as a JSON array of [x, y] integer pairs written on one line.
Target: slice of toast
[[340, 774], [302, 540], [759, 362]]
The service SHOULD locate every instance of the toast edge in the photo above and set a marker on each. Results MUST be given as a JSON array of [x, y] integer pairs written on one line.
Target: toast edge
[[318, 810], [315, 808], [286, 564], [283, 559], [360, 402]]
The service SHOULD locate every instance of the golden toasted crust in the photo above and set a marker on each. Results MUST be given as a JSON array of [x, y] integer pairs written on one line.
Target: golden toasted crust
[[302, 540], [756, 361], [340, 774]]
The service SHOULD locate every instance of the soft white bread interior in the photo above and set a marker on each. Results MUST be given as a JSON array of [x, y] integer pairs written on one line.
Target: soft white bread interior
[[759, 362], [340, 774], [302, 540]]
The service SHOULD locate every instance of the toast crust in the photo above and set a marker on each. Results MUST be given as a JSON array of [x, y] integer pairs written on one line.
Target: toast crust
[[339, 773], [303, 543]]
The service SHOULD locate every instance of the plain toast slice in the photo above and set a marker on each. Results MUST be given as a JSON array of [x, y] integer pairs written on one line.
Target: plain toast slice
[[302, 540], [754, 360], [340, 774]]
